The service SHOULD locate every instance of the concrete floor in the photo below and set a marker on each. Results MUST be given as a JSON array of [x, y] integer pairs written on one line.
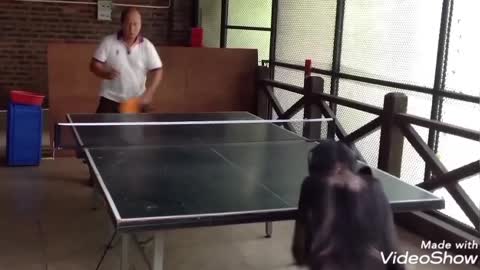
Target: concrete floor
[[47, 223]]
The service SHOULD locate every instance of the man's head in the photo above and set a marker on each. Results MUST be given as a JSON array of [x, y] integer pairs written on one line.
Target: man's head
[[131, 23]]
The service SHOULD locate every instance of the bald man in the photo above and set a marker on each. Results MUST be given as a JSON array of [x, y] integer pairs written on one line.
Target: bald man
[[123, 60]]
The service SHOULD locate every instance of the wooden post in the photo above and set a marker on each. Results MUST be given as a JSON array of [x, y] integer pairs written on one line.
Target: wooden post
[[391, 140], [264, 107], [312, 84]]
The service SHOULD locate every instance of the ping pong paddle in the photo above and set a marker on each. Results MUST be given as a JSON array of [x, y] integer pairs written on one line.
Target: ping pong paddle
[[132, 105]]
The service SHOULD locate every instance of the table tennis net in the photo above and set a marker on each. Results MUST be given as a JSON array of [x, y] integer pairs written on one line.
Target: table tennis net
[[123, 134]]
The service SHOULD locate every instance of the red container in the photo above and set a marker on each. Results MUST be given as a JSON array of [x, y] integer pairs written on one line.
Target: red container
[[196, 37], [25, 97]]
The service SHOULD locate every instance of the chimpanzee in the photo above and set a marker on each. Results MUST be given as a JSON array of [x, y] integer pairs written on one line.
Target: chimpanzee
[[344, 220]]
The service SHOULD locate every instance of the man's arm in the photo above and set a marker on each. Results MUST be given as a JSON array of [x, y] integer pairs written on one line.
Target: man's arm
[[102, 70], [156, 78]]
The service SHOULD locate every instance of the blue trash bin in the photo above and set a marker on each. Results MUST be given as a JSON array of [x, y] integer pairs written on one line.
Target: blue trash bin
[[24, 134]]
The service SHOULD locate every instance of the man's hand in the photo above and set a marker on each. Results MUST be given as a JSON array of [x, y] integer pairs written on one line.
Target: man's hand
[[112, 74], [103, 71], [146, 101], [152, 84], [147, 97]]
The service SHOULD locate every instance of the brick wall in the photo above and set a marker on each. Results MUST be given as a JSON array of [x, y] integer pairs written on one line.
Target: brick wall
[[26, 28]]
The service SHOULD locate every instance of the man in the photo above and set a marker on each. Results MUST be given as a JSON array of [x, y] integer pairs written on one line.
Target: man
[[123, 60]]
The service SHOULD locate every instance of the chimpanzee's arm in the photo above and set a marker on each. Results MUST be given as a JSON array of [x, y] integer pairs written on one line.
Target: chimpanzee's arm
[[388, 239], [302, 232]]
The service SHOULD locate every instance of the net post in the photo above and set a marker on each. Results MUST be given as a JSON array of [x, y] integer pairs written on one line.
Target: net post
[[56, 136], [53, 141], [391, 138], [312, 84], [264, 107]]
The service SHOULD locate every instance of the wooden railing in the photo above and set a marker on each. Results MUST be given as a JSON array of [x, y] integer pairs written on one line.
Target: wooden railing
[[395, 125]]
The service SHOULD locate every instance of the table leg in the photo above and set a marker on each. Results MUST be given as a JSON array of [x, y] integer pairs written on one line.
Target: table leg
[[95, 190], [95, 196], [158, 250], [157, 255], [124, 263], [268, 229]]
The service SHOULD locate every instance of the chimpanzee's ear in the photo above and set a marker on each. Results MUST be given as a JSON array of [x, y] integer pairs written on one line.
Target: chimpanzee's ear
[[365, 170]]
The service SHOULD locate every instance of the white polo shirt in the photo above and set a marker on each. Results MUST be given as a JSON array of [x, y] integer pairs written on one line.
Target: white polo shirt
[[133, 65]]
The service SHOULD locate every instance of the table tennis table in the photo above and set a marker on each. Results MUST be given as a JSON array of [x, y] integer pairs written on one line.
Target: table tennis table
[[155, 178]]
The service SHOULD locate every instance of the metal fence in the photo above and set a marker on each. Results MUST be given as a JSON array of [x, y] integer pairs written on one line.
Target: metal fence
[[366, 49]]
